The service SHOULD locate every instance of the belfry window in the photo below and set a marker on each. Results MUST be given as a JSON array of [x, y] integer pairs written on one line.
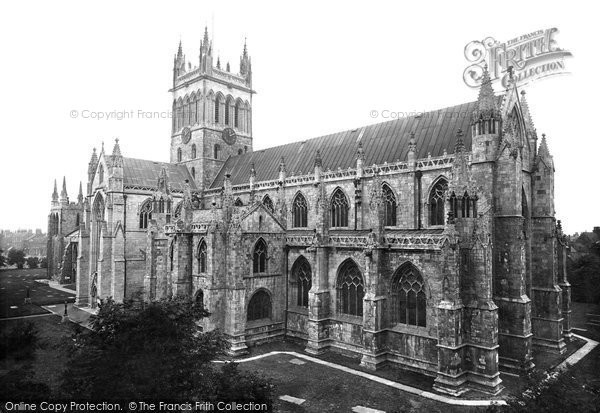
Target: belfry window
[[260, 306], [299, 212], [350, 289], [436, 203], [390, 206], [339, 209], [301, 274], [202, 257], [145, 214], [217, 108], [236, 116], [408, 297], [259, 259], [194, 154]]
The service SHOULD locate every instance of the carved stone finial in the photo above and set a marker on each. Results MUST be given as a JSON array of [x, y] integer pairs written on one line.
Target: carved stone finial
[[412, 143], [318, 160], [360, 153], [459, 146]]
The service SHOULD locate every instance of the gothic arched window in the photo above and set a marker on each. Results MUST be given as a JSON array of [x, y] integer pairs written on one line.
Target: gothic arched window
[[217, 108], [299, 212], [202, 257], [179, 155], [145, 214], [200, 298], [171, 254], [98, 209], [390, 206], [101, 174], [436, 202], [268, 203], [216, 151], [177, 212], [186, 112], [301, 275], [408, 297], [236, 115], [259, 258], [194, 154], [228, 114], [193, 110], [174, 117], [350, 289], [339, 209], [259, 306]]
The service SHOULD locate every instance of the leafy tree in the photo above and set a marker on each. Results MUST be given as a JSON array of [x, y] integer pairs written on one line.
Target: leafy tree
[[18, 344], [32, 262], [584, 276], [44, 262], [155, 351], [16, 257], [1, 258]]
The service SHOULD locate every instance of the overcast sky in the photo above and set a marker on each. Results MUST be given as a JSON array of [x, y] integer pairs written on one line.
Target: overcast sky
[[318, 67]]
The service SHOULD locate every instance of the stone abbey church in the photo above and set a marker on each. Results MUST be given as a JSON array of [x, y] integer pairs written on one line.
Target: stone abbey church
[[427, 242]]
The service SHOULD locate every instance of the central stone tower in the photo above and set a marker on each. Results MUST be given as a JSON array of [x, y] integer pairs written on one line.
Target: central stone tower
[[212, 112]]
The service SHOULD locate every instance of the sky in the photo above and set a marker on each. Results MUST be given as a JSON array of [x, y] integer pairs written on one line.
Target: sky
[[318, 67]]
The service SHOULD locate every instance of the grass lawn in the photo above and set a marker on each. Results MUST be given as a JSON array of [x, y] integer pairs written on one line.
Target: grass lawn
[[49, 358], [330, 390], [13, 290]]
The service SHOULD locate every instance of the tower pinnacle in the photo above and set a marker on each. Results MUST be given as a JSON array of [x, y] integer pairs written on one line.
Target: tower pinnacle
[[55, 195], [80, 194], [64, 198]]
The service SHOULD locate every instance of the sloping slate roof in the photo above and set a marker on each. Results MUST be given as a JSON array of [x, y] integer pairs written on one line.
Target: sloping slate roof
[[382, 142], [141, 172]]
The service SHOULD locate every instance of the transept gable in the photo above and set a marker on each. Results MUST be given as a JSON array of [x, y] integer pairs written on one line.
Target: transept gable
[[258, 218]]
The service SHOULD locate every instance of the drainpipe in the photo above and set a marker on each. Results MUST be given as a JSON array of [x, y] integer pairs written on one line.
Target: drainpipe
[[125, 247], [287, 290], [418, 175]]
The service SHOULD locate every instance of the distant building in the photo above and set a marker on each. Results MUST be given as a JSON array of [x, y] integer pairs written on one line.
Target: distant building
[[32, 243]]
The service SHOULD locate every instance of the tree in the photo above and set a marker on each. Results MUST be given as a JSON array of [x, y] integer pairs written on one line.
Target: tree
[[17, 350], [584, 276], [154, 351], [1, 258], [44, 262], [32, 262], [16, 257]]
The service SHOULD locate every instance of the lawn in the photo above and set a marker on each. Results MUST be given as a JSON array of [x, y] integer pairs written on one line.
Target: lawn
[[49, 358], [330, 390], [13, 290]]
